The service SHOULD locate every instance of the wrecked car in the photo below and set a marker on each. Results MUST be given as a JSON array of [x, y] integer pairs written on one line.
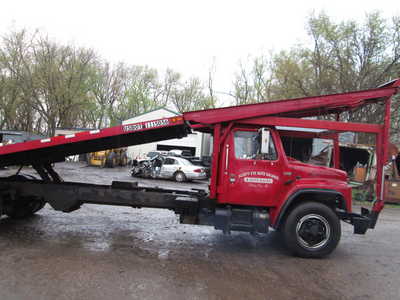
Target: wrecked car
[[168, 167]]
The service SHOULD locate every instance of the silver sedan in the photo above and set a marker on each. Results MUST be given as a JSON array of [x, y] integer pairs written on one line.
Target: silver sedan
[[172, 167], [181, 169]]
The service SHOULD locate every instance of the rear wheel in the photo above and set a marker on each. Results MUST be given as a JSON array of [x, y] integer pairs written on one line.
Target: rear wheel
[[312, 230], [180, 177], [24, 207]]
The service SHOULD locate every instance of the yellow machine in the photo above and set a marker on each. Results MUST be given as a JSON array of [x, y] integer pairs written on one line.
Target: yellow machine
[[109, 158]]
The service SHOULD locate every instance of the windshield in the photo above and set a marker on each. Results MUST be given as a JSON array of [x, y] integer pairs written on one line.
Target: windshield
[[152, 154]]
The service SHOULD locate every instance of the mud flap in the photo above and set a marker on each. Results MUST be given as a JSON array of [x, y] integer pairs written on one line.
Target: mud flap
[[361, 224], [373, 219]]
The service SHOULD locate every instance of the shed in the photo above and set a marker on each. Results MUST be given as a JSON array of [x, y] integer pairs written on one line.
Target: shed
[[197, 143]]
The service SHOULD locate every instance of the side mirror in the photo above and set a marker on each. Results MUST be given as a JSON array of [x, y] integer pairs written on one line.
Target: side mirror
[[265, 140]]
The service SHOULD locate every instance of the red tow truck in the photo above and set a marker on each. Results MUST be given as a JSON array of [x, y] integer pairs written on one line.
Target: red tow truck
[[254, 185]]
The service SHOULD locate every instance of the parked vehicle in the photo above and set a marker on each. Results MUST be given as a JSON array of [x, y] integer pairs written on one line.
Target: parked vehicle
[[204, 161], [168, 167], [109, 158]]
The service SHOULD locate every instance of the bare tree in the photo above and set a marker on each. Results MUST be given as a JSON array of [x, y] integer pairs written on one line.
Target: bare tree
[[45, 85]]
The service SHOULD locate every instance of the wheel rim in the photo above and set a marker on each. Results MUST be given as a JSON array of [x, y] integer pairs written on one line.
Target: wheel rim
[[179, 177], [313, 231]]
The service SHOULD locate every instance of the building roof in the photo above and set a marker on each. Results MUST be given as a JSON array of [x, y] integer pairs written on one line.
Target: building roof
[[153, 110]]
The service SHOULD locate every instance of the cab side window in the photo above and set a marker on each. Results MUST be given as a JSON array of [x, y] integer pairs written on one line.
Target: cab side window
[[247, 146]]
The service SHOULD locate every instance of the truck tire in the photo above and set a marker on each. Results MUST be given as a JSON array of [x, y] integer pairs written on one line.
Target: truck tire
[[24, 207], [312, 230], [180, 176]]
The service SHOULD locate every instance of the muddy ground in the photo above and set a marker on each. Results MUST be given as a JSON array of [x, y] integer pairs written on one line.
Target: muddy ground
[[101, 252]]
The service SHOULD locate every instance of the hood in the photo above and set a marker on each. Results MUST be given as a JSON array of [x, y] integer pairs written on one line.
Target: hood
[[310, 171]]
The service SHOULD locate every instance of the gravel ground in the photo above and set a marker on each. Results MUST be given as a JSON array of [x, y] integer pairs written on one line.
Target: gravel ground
[[102, 252]]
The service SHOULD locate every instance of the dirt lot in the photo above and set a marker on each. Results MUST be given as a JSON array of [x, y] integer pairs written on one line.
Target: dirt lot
[[101, 252]]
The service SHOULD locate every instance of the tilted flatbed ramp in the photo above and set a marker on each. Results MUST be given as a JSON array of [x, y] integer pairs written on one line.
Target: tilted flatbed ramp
[[56, 148], [69, 196]]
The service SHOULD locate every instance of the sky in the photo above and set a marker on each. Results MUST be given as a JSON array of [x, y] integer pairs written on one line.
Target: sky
[[190, 37]]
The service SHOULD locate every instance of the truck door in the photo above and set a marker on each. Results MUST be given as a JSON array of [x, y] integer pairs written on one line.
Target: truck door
[[253, 178]]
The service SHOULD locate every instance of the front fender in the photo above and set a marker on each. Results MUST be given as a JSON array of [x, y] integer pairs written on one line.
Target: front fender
[[330, 192]]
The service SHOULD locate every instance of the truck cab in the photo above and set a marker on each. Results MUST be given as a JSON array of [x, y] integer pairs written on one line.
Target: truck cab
[[256, 177], [254, 164]]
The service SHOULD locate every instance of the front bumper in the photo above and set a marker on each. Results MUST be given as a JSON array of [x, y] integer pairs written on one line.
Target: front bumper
[[361, 222]]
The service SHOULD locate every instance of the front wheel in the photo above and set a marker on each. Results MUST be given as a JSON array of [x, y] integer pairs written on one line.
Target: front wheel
[[312, 230]]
